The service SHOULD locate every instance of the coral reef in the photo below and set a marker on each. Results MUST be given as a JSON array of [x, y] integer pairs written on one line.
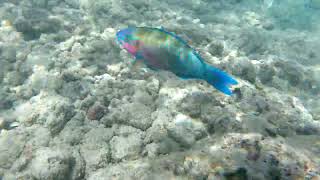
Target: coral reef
[[72, 106]]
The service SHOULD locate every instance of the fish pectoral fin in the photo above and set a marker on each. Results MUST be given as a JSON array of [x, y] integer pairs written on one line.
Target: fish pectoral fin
[[139, 55], [186, 77], [152, 68], [137, 64]]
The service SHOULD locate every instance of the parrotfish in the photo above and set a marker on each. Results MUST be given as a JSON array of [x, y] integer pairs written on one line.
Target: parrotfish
[[159, 49]]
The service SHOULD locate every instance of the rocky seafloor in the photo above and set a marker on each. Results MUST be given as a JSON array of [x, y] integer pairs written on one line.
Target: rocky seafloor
[[73, 107]]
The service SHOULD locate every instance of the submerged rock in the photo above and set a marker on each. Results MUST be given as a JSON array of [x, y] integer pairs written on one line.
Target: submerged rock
[[185, 130], [11, 145], [96, 112], [36, 21], [95, 148], [135, 169], [51, 164], [127, 146]]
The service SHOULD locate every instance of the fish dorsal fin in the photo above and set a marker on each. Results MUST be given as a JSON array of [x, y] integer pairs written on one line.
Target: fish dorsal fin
[[187, 43], [196, 52], [174, 35]]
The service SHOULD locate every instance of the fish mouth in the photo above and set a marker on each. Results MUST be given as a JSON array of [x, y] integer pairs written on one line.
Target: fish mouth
[[118, 40]]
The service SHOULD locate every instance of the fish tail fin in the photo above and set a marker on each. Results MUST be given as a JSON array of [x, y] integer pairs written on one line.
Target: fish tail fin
[[219, 79]]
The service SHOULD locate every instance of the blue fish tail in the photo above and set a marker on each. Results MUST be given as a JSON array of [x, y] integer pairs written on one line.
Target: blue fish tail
[[219, 79]]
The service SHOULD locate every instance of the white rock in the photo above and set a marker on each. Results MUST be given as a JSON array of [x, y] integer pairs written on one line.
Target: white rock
[[185, 131], [51, 164], [126, 147], [11, 145]]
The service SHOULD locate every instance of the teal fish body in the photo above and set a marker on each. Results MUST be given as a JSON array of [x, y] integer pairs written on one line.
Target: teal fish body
[[162, 50]]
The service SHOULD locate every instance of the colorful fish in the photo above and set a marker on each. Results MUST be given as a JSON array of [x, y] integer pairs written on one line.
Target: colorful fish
[[159, 49]]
